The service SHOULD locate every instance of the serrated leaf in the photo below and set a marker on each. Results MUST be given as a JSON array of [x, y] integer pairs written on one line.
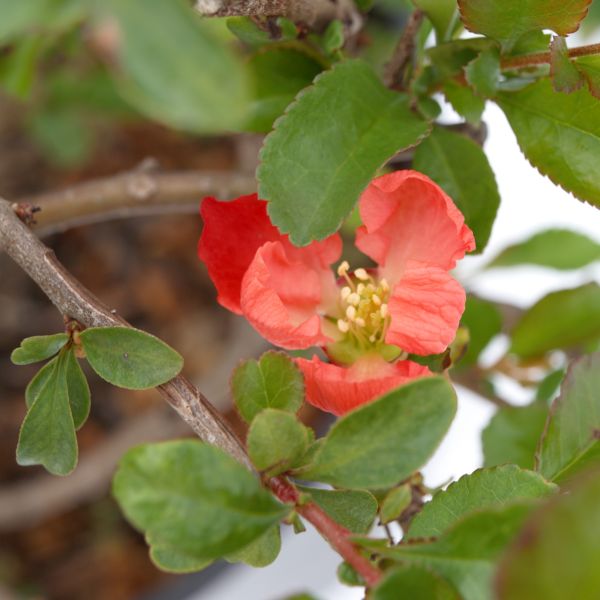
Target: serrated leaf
[[513, 434], [416, 583], [442, 14], [276, 440], [556, 248], [482, 489], [262, 551], [589, 66], [194, 499], [507, 20], [556, 556], [483, 72], [37, 348], [539, 329], [464, 101], [465, 554], [130, 358], [353, 509], [383, 442], [274, 381], [175, 69], [540, 117], [396, 501], [565, 76], [571, 441], [324, 151], [47, 436], [460, 167], [279, 74], [484, 321]]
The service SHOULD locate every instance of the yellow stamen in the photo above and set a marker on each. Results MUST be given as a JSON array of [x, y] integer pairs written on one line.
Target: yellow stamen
[[343, 326], [361, 274]]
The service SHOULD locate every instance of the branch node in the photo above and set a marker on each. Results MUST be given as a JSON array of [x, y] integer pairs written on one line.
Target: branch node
[[26, 212]]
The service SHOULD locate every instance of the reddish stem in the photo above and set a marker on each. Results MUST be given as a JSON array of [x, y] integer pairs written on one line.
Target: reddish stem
[[337, 536], [529, 60]]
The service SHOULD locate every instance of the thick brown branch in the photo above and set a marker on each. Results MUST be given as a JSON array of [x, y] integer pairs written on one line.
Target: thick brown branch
[[75, 301], [404, 52]]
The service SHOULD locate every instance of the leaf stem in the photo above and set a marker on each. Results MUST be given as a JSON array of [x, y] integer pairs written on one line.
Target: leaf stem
[[337, 536], [540, 58]]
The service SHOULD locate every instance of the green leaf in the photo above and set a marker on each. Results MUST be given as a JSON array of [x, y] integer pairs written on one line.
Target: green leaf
[[482, 489], [262, 551], [539, 329], [279, 74], [484, 321], [557, 554], [130, 358], [571, 440], [168, 558], [40, 379], [450, 58], [442, 14], [38, 348], [47, 436], [396, 501], [79, 390], [247, 31], [416, 583], [194, 499], [465, 554], [556, 248], [548, 387], [175, 69], [276, 440], [272, 382], [589, 66], [513, 434], [353, 509], [349, 576], [385, 441], [324, 151], [464, 101], [333, 38], [483, 72], [539, 117], [507, 20], [18, 69], [565, 75], [462, 170]]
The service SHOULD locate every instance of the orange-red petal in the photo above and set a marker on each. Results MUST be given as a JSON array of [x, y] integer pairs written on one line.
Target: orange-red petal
[[340, 389]]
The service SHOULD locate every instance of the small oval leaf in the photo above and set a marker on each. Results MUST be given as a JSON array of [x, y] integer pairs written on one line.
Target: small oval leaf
[[38, 348]]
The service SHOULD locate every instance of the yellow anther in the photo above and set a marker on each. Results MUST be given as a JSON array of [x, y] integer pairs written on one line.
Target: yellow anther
[[353, 299], [385, 286], [370, 288], [372, 338], [351, 313], [360, 321], [343, 268], [383, 309], [346, 291], [343, 326], [376, 300], [360, 288], [361, 274]]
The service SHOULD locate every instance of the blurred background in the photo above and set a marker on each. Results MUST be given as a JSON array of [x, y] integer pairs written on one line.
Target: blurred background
[[66, 117]]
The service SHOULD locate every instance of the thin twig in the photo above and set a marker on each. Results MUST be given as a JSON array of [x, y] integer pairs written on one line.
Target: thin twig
[[75, 301], [540, 58], [404, 52]]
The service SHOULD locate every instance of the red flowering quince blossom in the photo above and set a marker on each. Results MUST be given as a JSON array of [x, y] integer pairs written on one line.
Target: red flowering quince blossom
[[366, 320]]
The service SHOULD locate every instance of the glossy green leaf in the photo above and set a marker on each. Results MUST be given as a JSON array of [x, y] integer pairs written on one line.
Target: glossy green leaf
[[327, 147], [276, 440], [279, 74], [37, 348], [461, 168], [47, 436], [556, 248], [507, 20], [385, 441], [79, 390], [513, 434], [557, 554], [484, 321], [130, 358], [540, 116], [274, 381], [483, 72], [415, 583], [353, 509], [396, 501], [482, 489], [465, 555], [262, 551], [565, 75], [589, 66], [442, 14], [194, 499], [571, 441], [40, 379], [464, 101], [175, 69], [539, 329]]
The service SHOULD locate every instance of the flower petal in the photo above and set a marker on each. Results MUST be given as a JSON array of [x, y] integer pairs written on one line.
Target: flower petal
[[340, 389], [281, 298], [425, 308], [233, 232], [406, 217]]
